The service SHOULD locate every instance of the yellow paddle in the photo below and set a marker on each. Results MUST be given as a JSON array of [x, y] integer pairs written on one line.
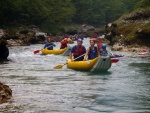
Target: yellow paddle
[[61, 65]]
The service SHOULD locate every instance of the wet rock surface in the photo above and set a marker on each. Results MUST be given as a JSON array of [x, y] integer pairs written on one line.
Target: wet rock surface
[[132, 48], [4, 51], [23, 37], [131, 29], [5, 93]]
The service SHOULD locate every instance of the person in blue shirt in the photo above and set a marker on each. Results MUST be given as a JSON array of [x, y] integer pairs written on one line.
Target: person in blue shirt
[[78, 50], [49, 44], [92, 52], [104, 51]]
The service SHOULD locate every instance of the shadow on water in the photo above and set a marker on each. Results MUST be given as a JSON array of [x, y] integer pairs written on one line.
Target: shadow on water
[[143, 68], [140, 64], [99, 73], [96, 73], [4, 61]]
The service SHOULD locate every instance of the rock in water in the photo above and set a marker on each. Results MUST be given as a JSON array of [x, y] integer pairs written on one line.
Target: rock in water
[[5, 93], [4, 52]]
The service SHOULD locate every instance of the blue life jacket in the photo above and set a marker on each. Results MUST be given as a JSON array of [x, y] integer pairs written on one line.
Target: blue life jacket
[[49, 46], [103, 52], [92, 53]]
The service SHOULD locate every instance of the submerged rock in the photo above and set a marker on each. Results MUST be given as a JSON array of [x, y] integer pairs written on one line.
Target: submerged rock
[[5, 93]]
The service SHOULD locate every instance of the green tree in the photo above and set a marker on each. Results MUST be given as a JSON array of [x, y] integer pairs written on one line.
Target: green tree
[[98, 12], [143, 3], [58, 13]]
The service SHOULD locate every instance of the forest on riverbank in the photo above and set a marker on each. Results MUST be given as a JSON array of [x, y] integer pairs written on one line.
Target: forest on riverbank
[[53, 15], [131, 18]]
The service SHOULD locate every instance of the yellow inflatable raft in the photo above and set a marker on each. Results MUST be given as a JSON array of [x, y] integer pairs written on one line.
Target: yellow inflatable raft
[[55, 51], [102, 63], [81, 65]]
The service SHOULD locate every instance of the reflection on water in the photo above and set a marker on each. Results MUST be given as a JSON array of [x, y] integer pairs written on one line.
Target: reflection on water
[[143, 68], [140, 65], [102, 73], [38, 88]]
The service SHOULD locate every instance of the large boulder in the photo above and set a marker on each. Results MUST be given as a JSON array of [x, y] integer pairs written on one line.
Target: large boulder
[[85, 30], [88, 30], [24, 36], [133, 29], [4, 51]]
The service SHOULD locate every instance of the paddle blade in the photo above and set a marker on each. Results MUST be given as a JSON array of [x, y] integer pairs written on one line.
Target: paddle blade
[[144, 50], [114, 60], [58, 66], [36, 51]]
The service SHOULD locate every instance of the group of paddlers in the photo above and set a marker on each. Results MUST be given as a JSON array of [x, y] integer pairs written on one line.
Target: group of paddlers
[[95, 49]]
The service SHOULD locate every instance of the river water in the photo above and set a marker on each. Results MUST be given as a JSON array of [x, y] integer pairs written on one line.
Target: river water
[[38, 88]]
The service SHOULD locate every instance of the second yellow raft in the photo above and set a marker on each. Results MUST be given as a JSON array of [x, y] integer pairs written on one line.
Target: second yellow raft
[[55, 51]]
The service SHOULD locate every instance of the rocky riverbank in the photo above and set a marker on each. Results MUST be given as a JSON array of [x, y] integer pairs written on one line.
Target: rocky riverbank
[[5, 93], [130, 48], [23, 36], [130, 32], [33, 35]]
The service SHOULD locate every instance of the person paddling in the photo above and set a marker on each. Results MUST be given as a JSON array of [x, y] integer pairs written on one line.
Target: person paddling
[[104, 51], [49, 44], [64, 43], [93, 51], [78, 50]]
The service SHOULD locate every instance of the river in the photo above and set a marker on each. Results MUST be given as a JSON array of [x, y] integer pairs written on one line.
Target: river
[[38, 88]]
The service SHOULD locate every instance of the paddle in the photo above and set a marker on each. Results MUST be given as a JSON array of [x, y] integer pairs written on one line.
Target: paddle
[[61, 65], [114, 60], [37, 51], [112, 55]]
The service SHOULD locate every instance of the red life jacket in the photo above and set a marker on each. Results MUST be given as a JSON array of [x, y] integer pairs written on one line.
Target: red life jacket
[[99, 45], [78, 51], [63, 44]]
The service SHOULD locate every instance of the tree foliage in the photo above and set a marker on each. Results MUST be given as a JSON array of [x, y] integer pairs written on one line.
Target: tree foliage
[[37, 12], [143, 3], [52, 14]]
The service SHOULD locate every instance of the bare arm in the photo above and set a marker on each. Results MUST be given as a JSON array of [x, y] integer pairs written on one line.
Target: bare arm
[[86, 54], [70, 54], [98, 52]]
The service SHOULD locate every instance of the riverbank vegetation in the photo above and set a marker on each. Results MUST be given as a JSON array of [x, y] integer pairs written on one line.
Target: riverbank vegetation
[[52, 15], [134, 28], [66, 15]]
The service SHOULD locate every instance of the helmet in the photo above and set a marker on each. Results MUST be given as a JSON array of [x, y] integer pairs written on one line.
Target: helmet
[[79, 40], [103, 46]]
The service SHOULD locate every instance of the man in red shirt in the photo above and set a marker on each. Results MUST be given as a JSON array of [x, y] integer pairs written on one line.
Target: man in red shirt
[[64, 43]]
